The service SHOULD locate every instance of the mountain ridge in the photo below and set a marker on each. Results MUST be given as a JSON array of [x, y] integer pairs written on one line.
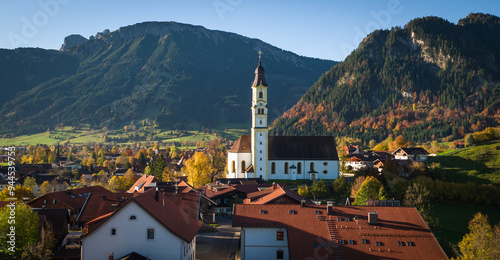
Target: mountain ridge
[[430, 79], [178, 75]]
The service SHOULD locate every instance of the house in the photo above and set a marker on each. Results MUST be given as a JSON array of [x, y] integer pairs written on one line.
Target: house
[[418, 154], [260, 155], [333, 232], [57, 219], [71, 199], [226, 195], [353, 149], [356, 163], [149, 225], [276, 194], [143, 183]]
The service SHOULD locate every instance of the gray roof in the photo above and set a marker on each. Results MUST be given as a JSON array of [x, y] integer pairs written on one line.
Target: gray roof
[[302, 148]]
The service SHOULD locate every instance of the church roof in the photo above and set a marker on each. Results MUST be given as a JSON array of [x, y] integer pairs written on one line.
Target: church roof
[[293, 147], [259, 76], [242, 145], [302, 147]]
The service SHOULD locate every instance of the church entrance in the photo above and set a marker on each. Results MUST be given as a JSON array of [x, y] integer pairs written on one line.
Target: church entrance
[[313, 176]]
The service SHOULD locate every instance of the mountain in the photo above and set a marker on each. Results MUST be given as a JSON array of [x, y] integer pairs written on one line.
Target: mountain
[[430, 79], [180, 76]]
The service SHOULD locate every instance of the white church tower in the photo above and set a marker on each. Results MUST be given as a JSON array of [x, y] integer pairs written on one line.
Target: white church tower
[[259, 133]]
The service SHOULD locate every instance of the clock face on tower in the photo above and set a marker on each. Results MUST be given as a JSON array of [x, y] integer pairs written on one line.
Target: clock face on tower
[[260, 104]]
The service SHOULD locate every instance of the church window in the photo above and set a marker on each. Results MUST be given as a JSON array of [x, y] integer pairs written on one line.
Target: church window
[[261, 159], [261, 94], [260, 134], [273, 168], [260, 142], [299, 168], [325, 163], [286, 168], [260, 151], [325, 172], [311, 166], [233, 166], [243, 166]]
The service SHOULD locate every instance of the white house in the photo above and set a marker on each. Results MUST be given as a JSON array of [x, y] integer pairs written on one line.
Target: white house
[[418, 154], [279, 157], [149, 224]]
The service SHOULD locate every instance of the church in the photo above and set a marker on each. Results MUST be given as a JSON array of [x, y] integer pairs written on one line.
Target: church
[[259, 155]]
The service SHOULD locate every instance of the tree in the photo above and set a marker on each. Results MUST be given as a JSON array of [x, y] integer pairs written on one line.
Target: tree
[[481, 242], [372, 144], [174, 152], [129, 178], [116, 183], [371, 189], [340, 186], [469, 140], [29, 182], [44, 188], [26, 226], [43, 249], [356, 185], [198, 169], [304, 191], [142, 159], [167, 175], [19, 191], [319, 189], [158, 166], [217, 155]]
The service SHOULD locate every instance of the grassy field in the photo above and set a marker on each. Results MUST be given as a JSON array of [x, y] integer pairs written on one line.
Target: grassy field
[[85, 136], [478, 164], [454, 219]]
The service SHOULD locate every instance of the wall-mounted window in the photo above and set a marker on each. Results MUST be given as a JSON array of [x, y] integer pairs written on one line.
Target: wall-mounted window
[[273, 168], [113, 231], [243, 166], [325, 172], [233, 166], [286, 168], [261, 94], [280, 254], [279, 235], [133, 217], [299, 168], [151, 233], [325, 164], [311, 166]]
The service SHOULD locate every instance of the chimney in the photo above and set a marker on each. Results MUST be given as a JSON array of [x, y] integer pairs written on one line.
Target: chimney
[[373, 218], [329, 207], [303, 203], [275, 186], [111, 256], [157, 194]]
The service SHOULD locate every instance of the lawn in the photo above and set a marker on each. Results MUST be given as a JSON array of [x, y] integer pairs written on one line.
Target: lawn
[[478, 164], [454, 220]]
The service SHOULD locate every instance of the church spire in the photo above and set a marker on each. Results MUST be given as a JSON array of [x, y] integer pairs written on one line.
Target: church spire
[[259, 74]]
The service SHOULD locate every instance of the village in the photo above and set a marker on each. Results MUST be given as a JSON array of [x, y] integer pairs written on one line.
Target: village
[[271, 197]]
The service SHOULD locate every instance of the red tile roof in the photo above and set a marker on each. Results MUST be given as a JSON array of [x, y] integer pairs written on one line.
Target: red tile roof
[[279, 192], [164, 210], [143, 182], [99, 204], [306, 228], [73, 198], [242, 145]]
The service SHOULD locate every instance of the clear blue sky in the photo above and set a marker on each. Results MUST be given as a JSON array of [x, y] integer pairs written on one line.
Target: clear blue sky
[[328, 29]]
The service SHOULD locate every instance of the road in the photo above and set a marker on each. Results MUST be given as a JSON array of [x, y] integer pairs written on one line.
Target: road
[[220, 245]]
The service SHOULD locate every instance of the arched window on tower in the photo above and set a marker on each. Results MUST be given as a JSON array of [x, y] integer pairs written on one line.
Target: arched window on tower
[[311, 166], [261, 94], [273, 168], [233, 166], [286, 168], [243, 166], [299, 168]]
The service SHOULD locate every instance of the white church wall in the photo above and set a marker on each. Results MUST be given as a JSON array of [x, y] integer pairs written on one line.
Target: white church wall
[[320, 166], [238, 158]]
